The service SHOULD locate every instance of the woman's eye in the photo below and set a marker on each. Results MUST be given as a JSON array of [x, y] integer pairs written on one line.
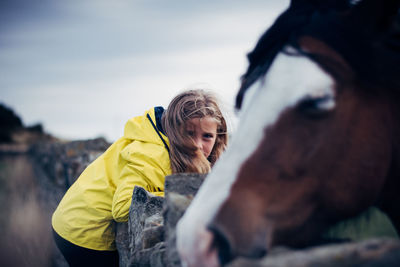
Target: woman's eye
[[208, 136], [314, 106]]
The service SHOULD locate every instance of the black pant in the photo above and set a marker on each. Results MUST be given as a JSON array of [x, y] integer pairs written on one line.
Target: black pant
[[77, 256]]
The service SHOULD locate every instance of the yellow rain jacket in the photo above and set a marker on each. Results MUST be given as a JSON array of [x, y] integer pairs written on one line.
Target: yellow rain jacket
[[103, 192]]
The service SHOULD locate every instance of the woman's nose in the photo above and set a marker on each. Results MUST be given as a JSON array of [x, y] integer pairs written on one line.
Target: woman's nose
[[199, 143]]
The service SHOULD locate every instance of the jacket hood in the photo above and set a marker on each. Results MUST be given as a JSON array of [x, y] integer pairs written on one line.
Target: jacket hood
[[141, 128]]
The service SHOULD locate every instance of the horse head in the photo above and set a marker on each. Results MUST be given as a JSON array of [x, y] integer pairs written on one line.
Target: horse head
[[317, 137]]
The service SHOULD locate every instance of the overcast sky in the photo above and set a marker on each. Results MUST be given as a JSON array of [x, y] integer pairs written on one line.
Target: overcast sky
[[84, 67]]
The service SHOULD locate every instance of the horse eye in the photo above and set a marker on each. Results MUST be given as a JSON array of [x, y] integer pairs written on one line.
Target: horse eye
[[315, 106]]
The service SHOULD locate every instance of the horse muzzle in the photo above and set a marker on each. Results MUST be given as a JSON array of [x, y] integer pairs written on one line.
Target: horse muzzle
[[197, 249], [213, 248], [228, 248]]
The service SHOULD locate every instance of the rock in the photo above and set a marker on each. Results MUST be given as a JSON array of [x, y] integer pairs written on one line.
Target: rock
[[122, 243], [145, 226], [371, 253], [179, 192], [149, 257], [157, 258], [145, 241], [63, 162], [174, 209], [152, 235], [184, 183]]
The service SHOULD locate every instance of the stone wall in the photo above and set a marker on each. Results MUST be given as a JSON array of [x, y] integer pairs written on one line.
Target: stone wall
[[63, 162], [148, 238]]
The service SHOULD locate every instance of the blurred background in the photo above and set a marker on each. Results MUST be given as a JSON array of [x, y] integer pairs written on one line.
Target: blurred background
[[82, 68]]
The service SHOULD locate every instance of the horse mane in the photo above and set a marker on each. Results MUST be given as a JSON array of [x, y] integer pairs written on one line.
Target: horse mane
[[374, 58]]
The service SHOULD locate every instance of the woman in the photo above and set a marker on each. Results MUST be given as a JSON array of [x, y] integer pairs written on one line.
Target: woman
[[187, 137]]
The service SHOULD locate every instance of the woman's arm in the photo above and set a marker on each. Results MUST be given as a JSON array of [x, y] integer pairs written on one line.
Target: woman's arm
[[146, 167]]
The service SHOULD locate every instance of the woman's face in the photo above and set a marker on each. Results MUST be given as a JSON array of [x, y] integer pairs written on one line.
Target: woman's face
[[203, 131]]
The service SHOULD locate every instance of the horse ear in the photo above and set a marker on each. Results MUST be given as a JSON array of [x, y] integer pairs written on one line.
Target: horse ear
[[374, 15]]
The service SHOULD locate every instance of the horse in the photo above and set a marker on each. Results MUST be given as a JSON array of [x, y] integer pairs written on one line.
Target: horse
[[318, 134]]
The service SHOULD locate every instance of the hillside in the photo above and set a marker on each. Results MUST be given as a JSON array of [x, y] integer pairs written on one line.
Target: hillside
[[15, 137]]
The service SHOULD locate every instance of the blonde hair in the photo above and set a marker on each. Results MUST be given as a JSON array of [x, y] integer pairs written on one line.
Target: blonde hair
[[184, 155]]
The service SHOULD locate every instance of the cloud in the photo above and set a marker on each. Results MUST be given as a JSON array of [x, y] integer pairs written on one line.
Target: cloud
[[76, 63]]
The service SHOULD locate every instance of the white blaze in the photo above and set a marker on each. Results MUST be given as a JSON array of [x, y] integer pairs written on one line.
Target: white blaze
[[289, 79]]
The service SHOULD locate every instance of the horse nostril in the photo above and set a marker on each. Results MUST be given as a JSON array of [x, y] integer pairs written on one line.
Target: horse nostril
[[222, 245]]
